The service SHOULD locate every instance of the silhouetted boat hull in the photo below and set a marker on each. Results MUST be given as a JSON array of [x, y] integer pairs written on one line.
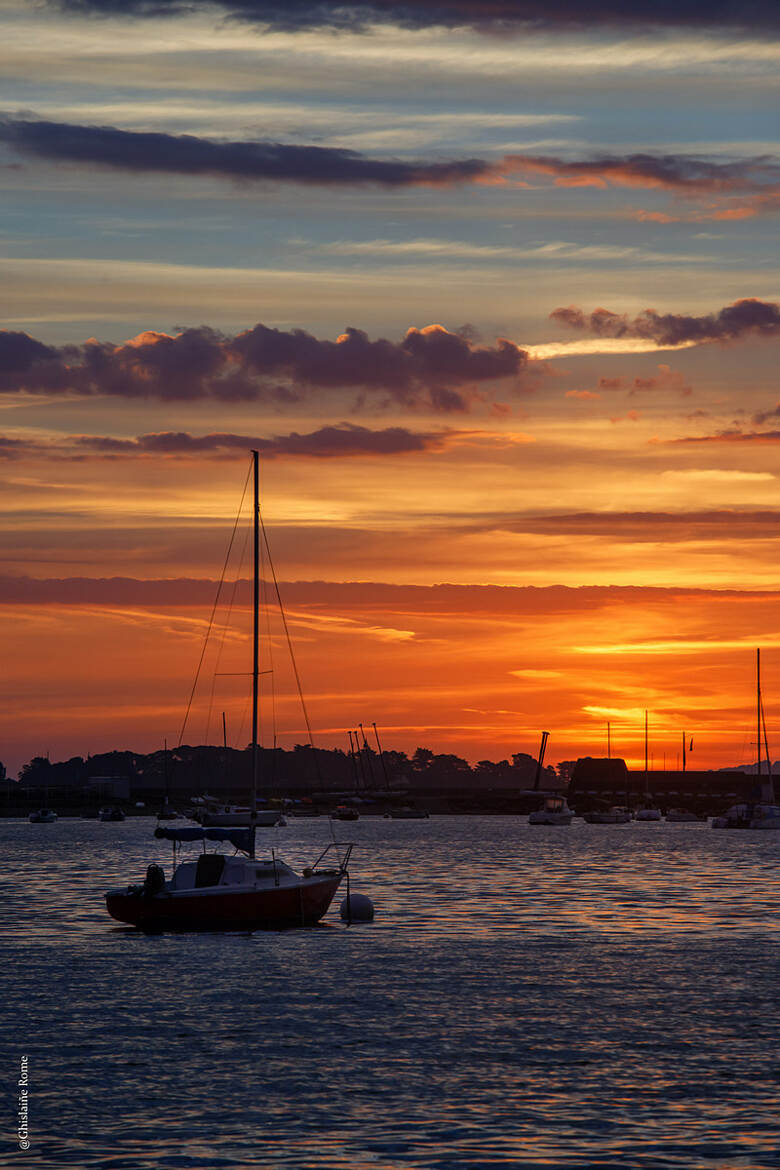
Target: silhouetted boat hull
[[302, 904]]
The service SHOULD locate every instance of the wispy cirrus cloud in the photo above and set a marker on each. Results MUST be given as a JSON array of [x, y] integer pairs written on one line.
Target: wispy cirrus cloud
[[498, 16], [552, 251], [748, 317], [429, 367]]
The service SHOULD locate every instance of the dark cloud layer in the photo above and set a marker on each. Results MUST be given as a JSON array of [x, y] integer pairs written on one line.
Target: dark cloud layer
[[185, 154], [497, 15], [652, 527], [743, 318], [729, 436], [352, 596], [343, 439], [429, 368], [723, 190]]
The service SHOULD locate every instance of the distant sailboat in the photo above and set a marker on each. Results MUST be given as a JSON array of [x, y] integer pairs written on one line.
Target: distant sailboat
[[555, 810], [762, 813], [683, 815], [648, 811]]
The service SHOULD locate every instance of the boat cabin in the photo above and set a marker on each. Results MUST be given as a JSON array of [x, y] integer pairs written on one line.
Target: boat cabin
[[215, 869]]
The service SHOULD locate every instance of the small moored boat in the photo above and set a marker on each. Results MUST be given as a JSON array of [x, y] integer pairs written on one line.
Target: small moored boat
[[216, 892], [111, 813], [345, 812], [683, 815], [43, 816], [555, 811], [609, 816], [234, 816]]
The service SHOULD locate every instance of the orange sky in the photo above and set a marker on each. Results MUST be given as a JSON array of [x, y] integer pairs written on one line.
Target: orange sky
[[501, 314], [568, 559]]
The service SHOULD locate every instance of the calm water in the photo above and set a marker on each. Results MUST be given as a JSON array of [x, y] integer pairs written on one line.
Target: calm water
[[563, 997]]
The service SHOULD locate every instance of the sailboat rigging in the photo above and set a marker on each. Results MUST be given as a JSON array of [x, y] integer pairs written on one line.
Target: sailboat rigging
[[239, 892], [648, 812], [762, 813]]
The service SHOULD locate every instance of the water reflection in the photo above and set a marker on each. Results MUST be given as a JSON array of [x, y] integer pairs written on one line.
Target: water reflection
[[583, 996]]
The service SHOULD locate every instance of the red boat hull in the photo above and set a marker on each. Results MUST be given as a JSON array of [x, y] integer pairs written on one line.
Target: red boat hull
[[263, 909]]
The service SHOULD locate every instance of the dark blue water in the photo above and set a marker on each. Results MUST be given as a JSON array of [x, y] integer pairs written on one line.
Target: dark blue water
[[563, 997]]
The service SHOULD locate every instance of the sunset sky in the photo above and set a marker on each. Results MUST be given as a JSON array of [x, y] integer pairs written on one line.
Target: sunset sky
[[492, 287]]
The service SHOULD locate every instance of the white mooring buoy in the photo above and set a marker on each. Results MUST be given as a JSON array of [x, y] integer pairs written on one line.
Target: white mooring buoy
[[357, 908]]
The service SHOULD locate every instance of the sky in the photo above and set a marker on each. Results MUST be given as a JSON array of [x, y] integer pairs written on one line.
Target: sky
[[491, 288]]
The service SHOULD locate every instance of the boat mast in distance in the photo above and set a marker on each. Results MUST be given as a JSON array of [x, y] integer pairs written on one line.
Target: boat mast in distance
[[255, 645]]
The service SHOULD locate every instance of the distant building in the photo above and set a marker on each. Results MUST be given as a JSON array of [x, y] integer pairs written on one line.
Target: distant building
[[600, 780], [605, 779]]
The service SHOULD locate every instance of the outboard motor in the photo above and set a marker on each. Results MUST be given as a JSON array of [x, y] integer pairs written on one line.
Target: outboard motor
[[155, 881]]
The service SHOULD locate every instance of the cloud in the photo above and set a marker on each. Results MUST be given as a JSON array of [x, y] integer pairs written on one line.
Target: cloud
[[743, 318], [665, 379], [602, 345], [733, 435], [734, 190], [671, 172], [644, 527], [185, 154], [765, 415], [475, 601], [430, 367], [756, 180], [498, 16], [328, 442], [11, 448]]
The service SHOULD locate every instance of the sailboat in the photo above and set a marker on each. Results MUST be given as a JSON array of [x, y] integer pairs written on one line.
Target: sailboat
[[762, 813], [617, 814], [683, 815], [217, 892], [555, 810], [648, 811]]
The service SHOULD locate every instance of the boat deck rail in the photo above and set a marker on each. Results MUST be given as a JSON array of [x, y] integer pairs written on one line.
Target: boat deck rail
[[335, 846]]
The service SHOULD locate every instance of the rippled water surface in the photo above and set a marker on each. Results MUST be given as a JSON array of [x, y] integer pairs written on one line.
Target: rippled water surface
[[526, 996]]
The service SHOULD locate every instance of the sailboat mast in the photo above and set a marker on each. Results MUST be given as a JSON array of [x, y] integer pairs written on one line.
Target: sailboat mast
[[758, 710], [381, 756], [540, 761], [255, 643]]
